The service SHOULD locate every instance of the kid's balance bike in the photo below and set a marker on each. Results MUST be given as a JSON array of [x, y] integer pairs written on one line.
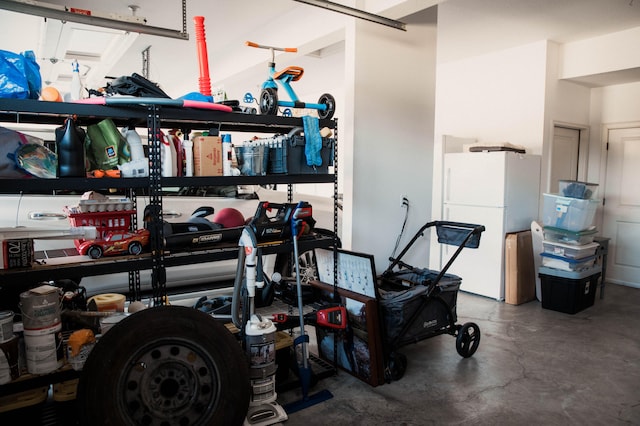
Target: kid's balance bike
[[269, 102]]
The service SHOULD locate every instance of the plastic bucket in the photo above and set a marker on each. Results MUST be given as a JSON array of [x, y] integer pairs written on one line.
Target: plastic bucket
[[9, 355], [6, 325], [109, 302], [40, 309], [44, 352]]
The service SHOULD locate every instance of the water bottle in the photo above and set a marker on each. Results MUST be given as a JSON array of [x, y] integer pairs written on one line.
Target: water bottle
[[70, 150]]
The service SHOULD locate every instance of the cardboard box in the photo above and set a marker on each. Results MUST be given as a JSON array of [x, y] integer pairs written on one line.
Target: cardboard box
[[16, 253], [519, 274], [207, 156]]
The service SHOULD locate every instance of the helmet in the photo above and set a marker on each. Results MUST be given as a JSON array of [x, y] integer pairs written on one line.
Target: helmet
[[228, 217]]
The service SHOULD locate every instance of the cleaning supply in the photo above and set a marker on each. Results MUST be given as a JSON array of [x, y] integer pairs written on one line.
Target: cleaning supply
[[70, 150], [226, 155], [134, 141], [76, 92], [187, 147], [168, 157]]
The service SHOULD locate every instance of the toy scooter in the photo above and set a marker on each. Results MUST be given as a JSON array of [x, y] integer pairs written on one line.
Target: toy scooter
[[269, 101]]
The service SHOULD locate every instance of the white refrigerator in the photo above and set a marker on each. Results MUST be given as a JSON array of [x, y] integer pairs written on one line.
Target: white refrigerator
[[499, 190]]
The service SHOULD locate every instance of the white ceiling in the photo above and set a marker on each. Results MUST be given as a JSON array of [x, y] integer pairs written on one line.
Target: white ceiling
[[467, 28]]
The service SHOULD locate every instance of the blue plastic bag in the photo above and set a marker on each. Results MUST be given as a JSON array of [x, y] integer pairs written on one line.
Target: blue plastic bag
[[19, 75]]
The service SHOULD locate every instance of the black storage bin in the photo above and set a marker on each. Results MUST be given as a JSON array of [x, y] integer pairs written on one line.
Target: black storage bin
[[289, 157], [409, 307], [566, 294]]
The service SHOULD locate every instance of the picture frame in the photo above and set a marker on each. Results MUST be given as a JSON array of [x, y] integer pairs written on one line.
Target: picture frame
[[359, 348], [356, 271]]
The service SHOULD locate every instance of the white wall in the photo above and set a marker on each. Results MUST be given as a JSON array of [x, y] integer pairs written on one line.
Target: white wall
[[390, 89]]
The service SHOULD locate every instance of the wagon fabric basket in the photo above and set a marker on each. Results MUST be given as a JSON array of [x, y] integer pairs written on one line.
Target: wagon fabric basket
[[410, 313]]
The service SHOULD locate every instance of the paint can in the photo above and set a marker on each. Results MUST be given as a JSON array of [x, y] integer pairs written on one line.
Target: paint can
[[9, 356], [109, 321], [44, 352], [41, 309], [6, 325]]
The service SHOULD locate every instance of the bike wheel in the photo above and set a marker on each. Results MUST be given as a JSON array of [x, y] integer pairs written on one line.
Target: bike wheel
[[269, 101], [330, 102], [167, 365]]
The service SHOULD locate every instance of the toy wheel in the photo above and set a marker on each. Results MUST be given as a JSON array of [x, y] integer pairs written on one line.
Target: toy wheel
[[397, 365], [330, 102], [172, 365], [468, 339], [95, 252], [135, 248], [269, 101]]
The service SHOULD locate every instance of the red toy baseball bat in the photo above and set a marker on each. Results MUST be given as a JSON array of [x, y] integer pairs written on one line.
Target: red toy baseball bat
[[204, 81]]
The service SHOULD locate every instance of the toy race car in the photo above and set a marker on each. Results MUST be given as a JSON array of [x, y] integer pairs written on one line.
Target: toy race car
[[116, 243]]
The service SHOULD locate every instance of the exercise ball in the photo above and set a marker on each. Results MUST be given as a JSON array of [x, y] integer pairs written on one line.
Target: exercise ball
[[228, 217]]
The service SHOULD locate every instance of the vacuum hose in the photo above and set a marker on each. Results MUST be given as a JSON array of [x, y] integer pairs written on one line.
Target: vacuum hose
[[237, 289]]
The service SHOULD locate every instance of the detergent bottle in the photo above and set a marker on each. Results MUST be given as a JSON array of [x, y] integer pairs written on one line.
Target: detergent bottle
[[70, 150], [168, 157], [135, 143]]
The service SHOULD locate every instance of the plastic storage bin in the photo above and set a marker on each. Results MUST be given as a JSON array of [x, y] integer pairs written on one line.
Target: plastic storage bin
[[288, 157], [566, 263], [568, 292], [576, 189], [568, 213], [571, 251], [559, 235]]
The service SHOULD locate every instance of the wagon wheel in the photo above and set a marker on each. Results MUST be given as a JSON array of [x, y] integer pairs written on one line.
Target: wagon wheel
[[168, 365], [468, 339], [397, 366], [268, 101], [135, 248], [95, 252]]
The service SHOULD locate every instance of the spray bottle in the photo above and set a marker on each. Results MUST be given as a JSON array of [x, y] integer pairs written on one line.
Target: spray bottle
[[76, 84]]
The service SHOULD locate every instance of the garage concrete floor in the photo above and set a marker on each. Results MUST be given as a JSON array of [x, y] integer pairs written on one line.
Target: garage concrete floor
[[533, 366]]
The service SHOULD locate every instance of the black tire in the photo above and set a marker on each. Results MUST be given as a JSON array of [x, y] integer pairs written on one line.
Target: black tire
[[95, 252], [468, 339], [397, 365], [330, 102], [168, 365], [135, 248], [268, 101]]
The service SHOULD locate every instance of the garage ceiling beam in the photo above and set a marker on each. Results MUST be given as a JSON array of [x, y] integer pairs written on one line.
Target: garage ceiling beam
[[62, 15], [356, 13]]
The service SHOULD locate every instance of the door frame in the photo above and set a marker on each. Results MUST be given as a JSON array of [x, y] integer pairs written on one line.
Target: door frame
[[604, 159], [583, 151]]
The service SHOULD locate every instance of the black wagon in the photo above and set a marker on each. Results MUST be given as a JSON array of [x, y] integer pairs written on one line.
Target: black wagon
[[418, 303]]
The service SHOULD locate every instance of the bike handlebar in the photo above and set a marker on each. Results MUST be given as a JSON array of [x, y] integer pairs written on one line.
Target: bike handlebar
[[263, 46]]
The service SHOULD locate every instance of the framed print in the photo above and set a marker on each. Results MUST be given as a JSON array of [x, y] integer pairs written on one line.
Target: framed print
[[356, 271], [357, 350]]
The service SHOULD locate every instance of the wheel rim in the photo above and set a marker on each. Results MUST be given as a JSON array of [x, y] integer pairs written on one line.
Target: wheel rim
[[330, 103], [307, 266], [167, 383], [268, 102], [95, 252], [135, 248], [468, 340]]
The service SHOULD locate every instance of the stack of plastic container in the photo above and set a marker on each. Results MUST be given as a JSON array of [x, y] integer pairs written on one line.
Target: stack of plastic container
[[569, 274]]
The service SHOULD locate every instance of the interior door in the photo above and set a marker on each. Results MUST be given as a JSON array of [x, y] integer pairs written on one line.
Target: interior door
[[565, 153], [621, 214]]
